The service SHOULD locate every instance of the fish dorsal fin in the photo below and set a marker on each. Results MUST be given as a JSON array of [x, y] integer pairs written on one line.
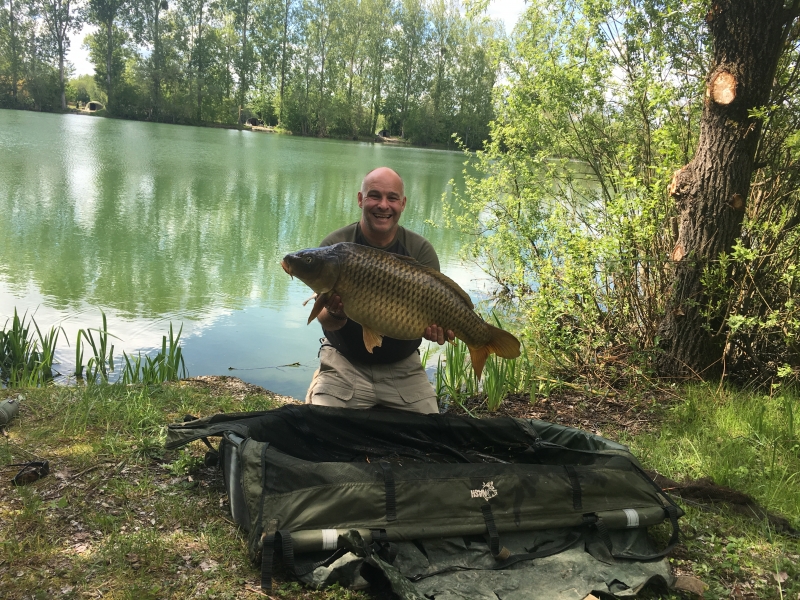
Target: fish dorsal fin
[[371, 338], [438, 275]]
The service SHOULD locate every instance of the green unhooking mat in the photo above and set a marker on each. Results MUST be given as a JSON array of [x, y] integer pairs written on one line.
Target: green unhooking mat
[[440, 506]]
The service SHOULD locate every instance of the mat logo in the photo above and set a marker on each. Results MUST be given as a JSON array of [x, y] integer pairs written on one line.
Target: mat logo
[[487, 492]]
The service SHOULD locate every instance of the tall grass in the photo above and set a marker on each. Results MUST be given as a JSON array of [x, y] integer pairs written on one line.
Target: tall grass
[[455, 380], [101, 362], [26, 360], [167, 365], [744, 440], [27, 355]]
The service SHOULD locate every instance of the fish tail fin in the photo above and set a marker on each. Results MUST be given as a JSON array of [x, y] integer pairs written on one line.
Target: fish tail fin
[[501, 343]]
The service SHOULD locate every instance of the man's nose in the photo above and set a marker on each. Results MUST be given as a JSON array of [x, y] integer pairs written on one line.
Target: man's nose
[[384, 203]]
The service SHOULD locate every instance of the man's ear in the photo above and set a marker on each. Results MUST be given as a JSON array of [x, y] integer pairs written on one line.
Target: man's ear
[[404, 204], [361, 199]]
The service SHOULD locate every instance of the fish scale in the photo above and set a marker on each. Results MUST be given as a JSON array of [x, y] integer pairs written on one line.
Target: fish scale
[[396, 296]]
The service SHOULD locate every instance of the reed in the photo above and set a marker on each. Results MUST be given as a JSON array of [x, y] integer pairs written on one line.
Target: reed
[[167, 365], [101, 363], [27, 355], [455, 380], [26, 361]]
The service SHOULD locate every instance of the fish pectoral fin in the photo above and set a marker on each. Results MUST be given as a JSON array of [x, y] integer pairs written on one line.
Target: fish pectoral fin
[[319, 304], [310, 298], [372, 338]]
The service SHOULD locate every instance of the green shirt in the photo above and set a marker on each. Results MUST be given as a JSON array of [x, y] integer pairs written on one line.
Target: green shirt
[[349, 340]]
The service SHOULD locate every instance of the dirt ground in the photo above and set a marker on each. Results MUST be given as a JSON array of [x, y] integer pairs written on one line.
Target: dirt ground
[[606, 416]]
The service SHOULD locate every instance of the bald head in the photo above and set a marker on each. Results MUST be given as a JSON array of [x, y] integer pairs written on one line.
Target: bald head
[[382, 172]]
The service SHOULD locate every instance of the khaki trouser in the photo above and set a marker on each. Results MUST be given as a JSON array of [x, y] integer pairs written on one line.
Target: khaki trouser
[[344, 384]]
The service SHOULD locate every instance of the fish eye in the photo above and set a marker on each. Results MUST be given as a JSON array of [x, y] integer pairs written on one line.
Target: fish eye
[[308, 260]]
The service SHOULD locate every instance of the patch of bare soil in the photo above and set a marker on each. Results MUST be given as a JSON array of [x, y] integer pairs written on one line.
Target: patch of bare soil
[[607, 416], [225, 385], [706, 492]]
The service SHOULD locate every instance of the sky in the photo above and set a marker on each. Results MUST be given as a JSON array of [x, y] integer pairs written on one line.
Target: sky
[[508, 11]]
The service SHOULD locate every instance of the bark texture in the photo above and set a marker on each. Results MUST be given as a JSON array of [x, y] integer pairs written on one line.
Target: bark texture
[[712, 190]]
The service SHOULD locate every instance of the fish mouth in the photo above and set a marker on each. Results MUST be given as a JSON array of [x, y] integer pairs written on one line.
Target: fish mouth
[[287, 268]]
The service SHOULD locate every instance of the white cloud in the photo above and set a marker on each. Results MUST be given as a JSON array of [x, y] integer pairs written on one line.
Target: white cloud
[[508, 11], [79, 56]]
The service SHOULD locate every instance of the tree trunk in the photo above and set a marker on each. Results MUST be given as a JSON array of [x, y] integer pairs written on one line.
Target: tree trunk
[[156, 60], [61, 82], [109, 58], [14, 43], [283, 58], [243, 85], [199, 48], [711, 191]]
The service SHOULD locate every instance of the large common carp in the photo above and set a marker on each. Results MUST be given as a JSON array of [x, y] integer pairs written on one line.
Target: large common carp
[[395, 296]]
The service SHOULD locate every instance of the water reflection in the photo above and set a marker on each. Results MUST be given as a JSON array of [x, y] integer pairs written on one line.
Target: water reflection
[[154, 223]]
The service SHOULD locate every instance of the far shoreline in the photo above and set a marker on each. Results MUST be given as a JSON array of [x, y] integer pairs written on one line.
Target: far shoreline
[[374, 139]]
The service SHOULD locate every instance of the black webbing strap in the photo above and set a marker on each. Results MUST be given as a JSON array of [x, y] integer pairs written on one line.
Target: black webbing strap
[[379, 536], [268, 532], [268, 555], [602, 532], [672, 513], [605, 537], [494, 537], [287, 548], [577, 496], [391, 499], [511, 560]]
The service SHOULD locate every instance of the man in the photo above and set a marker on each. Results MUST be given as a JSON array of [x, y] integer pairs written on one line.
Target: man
[[392, 375]]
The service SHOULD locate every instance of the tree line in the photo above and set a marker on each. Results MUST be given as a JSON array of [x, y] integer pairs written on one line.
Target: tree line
[[419, 69]]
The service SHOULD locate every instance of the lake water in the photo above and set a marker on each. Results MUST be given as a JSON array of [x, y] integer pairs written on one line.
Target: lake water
[[157, 223]]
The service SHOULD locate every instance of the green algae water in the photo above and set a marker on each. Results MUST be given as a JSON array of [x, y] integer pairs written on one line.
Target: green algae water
[[155, 223]]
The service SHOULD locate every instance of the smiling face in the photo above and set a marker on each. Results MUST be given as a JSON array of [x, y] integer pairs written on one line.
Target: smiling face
[[381, 201]]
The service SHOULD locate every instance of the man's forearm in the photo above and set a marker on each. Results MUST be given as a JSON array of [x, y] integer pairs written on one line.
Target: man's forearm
[[331, 321]]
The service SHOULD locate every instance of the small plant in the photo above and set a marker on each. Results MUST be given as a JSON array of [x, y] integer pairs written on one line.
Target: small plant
[[101, 362], [455, 380], [185, 464], [24, 360], [167, 365]]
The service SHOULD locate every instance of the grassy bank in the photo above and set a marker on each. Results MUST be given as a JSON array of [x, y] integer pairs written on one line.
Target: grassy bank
[[747, 442], [119, 517]]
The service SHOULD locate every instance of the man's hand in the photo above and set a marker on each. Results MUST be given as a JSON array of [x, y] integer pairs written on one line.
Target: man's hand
[[332, 316], [335, 307], [434, 333]]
